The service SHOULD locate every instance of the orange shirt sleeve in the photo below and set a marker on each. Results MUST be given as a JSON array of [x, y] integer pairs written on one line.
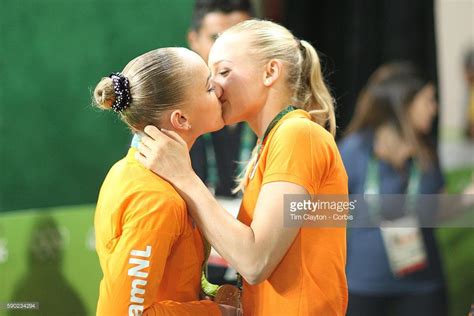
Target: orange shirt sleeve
[[299, 152], [152, 224]]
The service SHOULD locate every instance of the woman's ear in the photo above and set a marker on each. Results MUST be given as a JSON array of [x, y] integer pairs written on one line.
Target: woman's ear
[[192, 40], [273, 71], [179, 121]]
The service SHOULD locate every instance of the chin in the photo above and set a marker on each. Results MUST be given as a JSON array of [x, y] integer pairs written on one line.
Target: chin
[[229, 119], [428, 127], [237, 114], [227, 116], [232, 121], [424, 131], [219, 125]]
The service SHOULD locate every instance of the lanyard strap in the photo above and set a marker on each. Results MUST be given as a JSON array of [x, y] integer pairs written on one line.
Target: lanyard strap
[[207, 287], [372, 181], [372, 186], [262, 140], [275, 121]]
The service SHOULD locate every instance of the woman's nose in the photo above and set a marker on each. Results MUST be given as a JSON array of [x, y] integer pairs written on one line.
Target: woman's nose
[[217, 89]]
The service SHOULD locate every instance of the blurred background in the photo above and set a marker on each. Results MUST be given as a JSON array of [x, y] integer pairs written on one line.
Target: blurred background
[[55, 149]]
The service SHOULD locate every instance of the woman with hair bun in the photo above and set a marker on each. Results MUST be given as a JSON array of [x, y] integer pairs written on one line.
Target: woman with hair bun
[[150, 251]]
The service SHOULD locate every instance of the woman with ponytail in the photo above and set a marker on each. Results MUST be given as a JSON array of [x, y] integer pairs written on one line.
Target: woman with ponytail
[[265, 76]]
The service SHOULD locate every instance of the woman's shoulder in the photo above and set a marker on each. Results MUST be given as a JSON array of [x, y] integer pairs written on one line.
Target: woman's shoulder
[[146, 192], [354, 144], [137, 178], [150, 210], [356, 140], [140, 200], [302, 129], [355, 151], [301, 123]]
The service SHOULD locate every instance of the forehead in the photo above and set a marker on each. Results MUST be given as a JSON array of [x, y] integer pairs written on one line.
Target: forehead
[[218, 22], [231, 47]]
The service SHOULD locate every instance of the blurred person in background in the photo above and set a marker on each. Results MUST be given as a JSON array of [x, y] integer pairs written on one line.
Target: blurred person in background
[[209, 19], [469, 79], [150, 251], [389, 147]]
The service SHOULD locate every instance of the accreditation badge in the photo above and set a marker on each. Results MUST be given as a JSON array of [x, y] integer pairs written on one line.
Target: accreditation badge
[[404, 245]]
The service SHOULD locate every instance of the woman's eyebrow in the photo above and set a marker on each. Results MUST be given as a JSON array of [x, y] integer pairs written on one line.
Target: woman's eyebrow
[[220, 61]]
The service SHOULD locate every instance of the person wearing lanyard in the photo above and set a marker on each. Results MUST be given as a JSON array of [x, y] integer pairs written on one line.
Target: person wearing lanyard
[[215, 156], [388, 150], [149, 249], [280, 92]]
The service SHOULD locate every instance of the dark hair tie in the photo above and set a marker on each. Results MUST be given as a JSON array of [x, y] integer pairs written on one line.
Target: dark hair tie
[[122, 92], [301, 46]]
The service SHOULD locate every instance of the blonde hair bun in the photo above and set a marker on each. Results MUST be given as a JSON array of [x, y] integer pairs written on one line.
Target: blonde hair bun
[[104, 95]]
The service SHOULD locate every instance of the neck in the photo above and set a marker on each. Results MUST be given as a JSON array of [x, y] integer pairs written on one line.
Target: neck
[[260, 122], [187, 136], [188, 139]]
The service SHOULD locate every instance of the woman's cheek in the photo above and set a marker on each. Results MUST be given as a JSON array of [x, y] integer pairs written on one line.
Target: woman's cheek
[[228, 83]]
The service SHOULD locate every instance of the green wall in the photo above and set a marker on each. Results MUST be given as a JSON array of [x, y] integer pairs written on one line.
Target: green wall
[[48, 256], [55, 149]]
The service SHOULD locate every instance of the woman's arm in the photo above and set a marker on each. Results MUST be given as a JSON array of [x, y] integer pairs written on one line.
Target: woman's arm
[[253, 251]]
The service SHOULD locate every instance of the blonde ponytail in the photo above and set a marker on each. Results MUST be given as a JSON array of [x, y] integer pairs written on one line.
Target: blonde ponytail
[[267, 41], [312, 92]]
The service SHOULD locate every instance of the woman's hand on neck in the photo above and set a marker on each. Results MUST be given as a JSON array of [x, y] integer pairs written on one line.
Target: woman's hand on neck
[[188, 138], [186, 135], [390, 146]]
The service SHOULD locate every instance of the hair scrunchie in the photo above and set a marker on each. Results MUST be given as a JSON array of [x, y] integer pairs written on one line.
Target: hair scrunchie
[[122, 92]]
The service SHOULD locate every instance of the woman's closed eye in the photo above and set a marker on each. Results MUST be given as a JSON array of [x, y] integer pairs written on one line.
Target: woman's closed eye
[[211, 89], [224, 72]]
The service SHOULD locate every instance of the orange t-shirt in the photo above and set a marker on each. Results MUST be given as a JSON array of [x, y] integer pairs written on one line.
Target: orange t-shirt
[[149, 250], [310, 279]]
